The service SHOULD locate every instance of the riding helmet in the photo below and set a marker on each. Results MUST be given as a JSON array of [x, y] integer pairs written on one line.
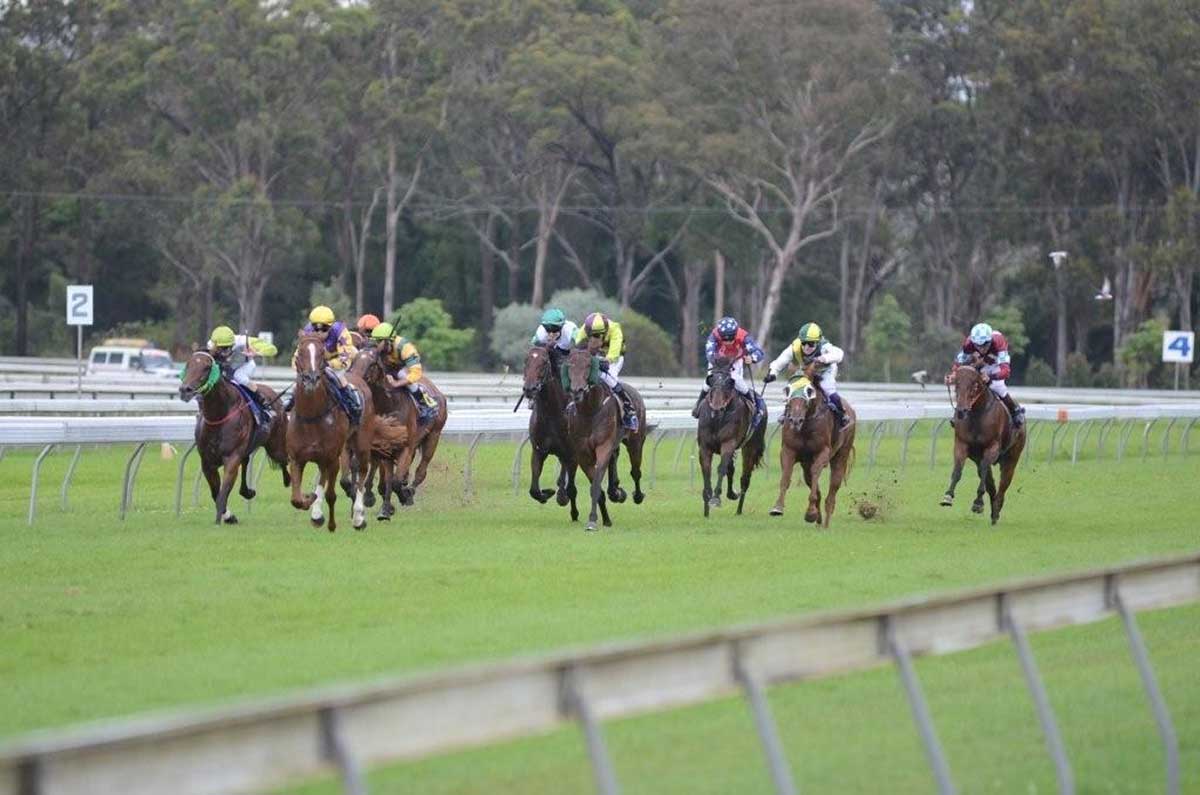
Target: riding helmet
[[222, 337], [727, 328]]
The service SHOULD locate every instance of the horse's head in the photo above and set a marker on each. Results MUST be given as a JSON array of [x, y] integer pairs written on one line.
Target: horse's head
[[200, 374], [310, 360], [537, 370], [969, 387], [803, 402], [366, 365], [720, 384], [580, 376]]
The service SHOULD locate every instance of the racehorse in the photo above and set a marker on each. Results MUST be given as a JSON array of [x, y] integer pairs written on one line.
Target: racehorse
[[398, 405], [724, 426], [983, 432], [318, 430], [225, 433], [811, 434], [634, 441], [593, 425], [548, 427]]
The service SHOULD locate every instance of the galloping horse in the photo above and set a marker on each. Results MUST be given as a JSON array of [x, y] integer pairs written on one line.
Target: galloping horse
[[811, 434], [593, 426], [724, 426], [634, 441], [398, 405], [548, 427], [983, 432], [225, 434], [318, 430]]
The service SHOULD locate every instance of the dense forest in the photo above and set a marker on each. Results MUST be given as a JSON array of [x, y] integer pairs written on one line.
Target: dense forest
[[893, 169]]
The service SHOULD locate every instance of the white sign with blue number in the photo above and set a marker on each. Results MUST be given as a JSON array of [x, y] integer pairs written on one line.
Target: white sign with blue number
[[79, 305], [1179, 346]]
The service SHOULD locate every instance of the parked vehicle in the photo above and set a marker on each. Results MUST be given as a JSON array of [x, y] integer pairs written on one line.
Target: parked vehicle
[[121, 356]]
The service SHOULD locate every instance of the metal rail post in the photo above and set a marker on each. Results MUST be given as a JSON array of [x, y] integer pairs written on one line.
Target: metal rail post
[[1059, 427], [876, 438], [678, 452], [516, 464], [333, 748], [916, 702], [66, 484], [912, 426], [1123, 438], [1183, 440], [573, 704], [937, 427], [1100, 437], [37, 468], [1146, 436], [1075, 444], [131, 468], [781, 774], [1166, 443], [1033, 681], [662, 434], [1033, 427], [179, 478], [1162, 717], [467, 484]]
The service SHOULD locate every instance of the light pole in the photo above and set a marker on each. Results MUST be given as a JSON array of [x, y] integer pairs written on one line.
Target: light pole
[[1060, 303]]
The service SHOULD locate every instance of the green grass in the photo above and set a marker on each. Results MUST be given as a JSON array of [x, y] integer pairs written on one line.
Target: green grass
[[100, 618]]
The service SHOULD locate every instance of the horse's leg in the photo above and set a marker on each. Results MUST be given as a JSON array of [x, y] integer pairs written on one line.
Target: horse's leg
[[752, 453], [385, 485], [984, 466], [595, 474], [231, 464], [572, 493], [615, 492], [813, 514], [960, 456], [400, 476], [317, 502], [212, 474], [787, 460], [837, 473], [348, 465], [296, 470], [635, 446], [369, 496], [429, 446], [727, 452], [1008, 467], [358, 514], [561, 482], [537, 458], [706, 470], [245, 491], [331, 482]]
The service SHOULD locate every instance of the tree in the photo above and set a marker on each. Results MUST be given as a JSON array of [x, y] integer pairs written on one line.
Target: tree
[[427, 323], [889, 333]]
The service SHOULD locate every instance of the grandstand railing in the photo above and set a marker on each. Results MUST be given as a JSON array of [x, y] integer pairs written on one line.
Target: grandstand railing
[[269, 743]]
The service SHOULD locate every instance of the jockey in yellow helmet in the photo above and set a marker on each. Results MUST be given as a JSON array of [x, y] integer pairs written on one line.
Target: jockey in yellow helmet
[[603, 335], [402, 367], [811, 347], [234, 354], [339, 350]]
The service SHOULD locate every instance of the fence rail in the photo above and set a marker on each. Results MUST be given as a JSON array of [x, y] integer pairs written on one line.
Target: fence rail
[[269, 743]]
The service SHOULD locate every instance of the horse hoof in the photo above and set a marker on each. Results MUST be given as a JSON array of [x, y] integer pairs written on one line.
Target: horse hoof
[[230, 519], [947, 501], [591, 526], [715, 502], [383, 517], [607, 522], [248, 494], [706, 509], [540, 496], [617, 495], [776, 511], [318, 522], [574, 516], [360, 524], [563, 498], [638, 498], [369, 499], [977, 507], [812, 516], [995, 519]]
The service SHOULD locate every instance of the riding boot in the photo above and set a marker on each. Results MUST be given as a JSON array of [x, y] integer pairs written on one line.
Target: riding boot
[[760, 408], [356, 405], [288, 401], [629, 418], [267, 413], [839, 411], [426, 406], [1017, 411], [699, 402]]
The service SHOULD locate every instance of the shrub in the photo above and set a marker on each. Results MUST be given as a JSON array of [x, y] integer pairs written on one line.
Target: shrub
[[1009, 321], [331, 295], [1079, 371], [935, 350], [1108, 376], [651, 349], [427, 323], [1140, 353], [511, 330], [577, 303], [889, 334], [1039, 373]]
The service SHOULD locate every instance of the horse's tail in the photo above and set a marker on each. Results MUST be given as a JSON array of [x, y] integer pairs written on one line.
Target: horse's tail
[[758, 445], [850, 463], [390, 437]]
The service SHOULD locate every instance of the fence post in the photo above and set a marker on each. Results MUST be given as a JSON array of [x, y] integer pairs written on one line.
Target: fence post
[[1146, 436], [467, 485], [662, 434], [1059, 427], [1100, 437], [37, 468], [516, 464], [333, 748], [179, 478], [573, 704], [933, 442], [131, 468], [1166, 444], [912, 426], [1075, 445], [767, 733], [1183, 441], [876, 438], [66, 484], [1123, 438], [1166, 730]]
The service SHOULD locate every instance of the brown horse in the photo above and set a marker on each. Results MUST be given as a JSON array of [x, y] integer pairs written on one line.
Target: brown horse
[[812, 435], [225, 434], [983, 432], [634, 441], [593, 426], [548, 427], [399, 405], [724, 423], [318, 431]]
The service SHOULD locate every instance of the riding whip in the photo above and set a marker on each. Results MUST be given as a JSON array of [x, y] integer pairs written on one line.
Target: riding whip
[[519, 400]]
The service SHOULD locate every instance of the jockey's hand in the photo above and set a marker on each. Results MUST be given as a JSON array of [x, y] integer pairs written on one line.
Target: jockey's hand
[[949, 379], [604, 365], [770, 377]]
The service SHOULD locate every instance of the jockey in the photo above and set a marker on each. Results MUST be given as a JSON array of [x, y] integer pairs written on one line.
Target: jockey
[[607, 334], [363, 328], [730, 340], [234, 354], [402, 368], [554, 330], [339, 350], [811, 347], [992, 348]]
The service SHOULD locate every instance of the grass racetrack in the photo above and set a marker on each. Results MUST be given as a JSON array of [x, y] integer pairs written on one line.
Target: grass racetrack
[[100, 618]]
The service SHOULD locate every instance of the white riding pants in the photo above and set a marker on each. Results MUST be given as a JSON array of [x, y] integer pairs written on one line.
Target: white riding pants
[[614, 370], [1000, 388], [739, 378], [244, 375], [828, 380]]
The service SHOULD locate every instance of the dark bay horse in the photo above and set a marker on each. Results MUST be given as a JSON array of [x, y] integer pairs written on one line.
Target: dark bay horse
[[724, 423], [811, 434], [318, 431], [983, 432], [593, 426], [634, 441], [543, 388], [398, 405], [225, 434]]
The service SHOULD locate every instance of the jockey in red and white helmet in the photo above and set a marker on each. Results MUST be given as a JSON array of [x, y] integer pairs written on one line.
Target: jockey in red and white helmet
[[992, 349]]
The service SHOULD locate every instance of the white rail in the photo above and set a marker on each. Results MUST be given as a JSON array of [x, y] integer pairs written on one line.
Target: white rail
[[269, 743]]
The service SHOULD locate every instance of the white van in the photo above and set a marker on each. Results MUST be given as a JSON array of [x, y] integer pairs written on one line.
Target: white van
[[130, 357]]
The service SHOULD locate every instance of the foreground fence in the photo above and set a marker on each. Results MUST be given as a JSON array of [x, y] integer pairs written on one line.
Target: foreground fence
[[473, 426], [270, 743]]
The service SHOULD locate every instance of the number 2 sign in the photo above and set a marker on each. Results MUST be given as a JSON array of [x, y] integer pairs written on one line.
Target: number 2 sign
[[1179, 346], [79, 305]]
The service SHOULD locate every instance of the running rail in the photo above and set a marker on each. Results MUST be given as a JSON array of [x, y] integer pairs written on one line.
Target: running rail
[[268, 743]]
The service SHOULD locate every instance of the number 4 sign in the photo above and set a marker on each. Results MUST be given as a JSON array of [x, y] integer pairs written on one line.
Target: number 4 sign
[[1179, 346]]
